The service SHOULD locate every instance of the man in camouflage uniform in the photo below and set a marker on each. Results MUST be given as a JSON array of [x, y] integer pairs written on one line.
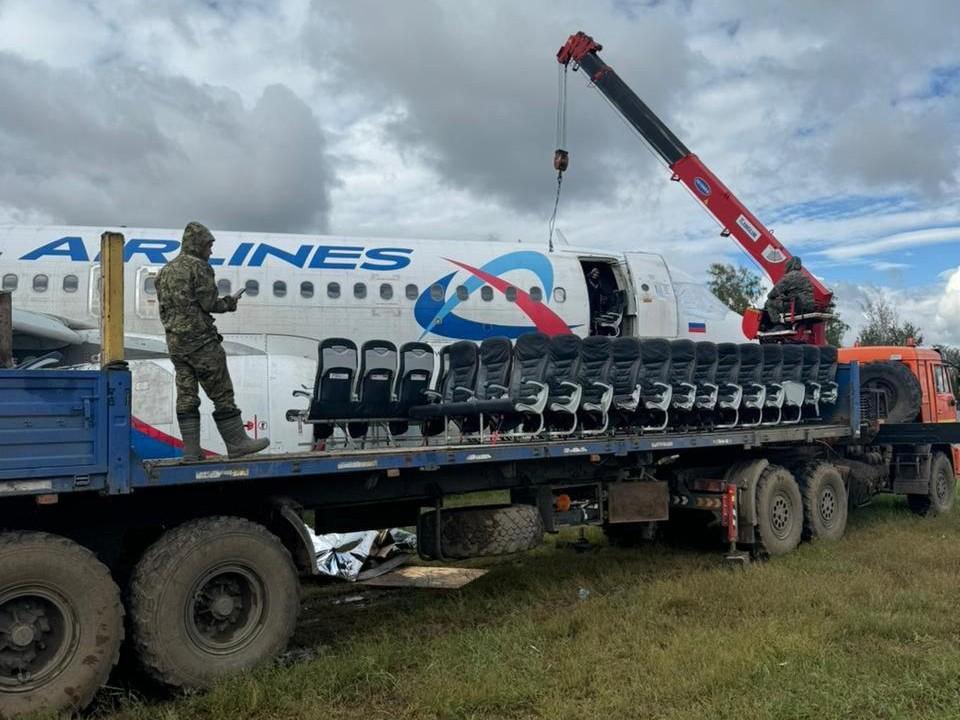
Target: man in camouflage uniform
[[794, 287], [187, 294]]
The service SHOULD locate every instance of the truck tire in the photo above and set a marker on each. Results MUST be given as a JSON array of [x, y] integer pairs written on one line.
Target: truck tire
[[779, 512], [901, 387], [942, 490], [481, 531], [210, 598], [824, 501], [62, 624]]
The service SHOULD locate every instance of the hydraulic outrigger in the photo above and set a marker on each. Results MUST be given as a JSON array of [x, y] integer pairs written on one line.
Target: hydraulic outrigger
[[580, 51]]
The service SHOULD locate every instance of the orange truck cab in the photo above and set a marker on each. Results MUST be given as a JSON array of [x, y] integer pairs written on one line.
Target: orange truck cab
[[937, 402]]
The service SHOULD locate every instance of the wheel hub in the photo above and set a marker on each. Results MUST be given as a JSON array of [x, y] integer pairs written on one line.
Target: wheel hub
[[226, 609], [828, 505], [38, 635], [22, 635], [780, 516]]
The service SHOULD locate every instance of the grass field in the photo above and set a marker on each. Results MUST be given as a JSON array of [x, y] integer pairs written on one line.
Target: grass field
[[865, 628]]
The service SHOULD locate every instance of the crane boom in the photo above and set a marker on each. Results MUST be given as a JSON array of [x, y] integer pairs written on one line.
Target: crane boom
[[734, 217]]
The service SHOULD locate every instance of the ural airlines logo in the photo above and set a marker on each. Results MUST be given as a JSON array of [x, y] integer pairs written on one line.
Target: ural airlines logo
[[437, 316], [246, 254]]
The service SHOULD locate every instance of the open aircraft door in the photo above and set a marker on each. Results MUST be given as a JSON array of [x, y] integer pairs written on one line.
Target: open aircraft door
[[651, 301]]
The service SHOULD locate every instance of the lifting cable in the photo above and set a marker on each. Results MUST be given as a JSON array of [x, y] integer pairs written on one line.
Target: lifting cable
[[560, 156]]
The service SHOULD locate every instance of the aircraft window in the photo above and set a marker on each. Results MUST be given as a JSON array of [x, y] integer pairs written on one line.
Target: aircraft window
[[150, 284], [486, 293], [10, 282], [223, 286], [511, 294], [559, 295], [70, 283], [253, 288], [359, 290], [40, 283], [279, 288], [333, 290], [462, 292], [386, 291], [436, 292], [536, 294], [412, 291], [306, 289]]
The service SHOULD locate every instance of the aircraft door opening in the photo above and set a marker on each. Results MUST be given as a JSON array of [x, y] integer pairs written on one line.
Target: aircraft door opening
[[607, 297]]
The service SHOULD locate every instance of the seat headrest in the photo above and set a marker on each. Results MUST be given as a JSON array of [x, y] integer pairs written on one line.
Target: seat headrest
[[626, 348], [596, 348], [565, 346], [828, 354], [463, 353], [655, 350], [706, 352], [532, 345], [751, 353], [772, 353], [683, 350], [495, 350]]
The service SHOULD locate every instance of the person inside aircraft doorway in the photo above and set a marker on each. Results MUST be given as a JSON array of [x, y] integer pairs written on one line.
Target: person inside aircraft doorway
[[187, 295]]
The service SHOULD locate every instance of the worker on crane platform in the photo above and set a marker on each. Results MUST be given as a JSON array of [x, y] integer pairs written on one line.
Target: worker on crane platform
[[187, 294], [792, 293]]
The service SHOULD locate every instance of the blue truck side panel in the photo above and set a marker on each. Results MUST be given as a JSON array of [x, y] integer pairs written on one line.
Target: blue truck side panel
[[62, 430]]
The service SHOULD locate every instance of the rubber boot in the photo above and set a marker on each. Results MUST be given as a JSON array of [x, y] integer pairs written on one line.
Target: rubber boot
[[190, 432], [235, 437]]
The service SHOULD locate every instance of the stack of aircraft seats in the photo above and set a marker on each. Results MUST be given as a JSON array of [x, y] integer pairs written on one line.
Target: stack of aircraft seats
[[794, 390], [374, 396], [597, 397], [750, 379], [333, 387], [811, 370], [683, 364], [563, 384], [772, 381], [458, 374], [729, 389], [705, 380], [624, 377], [474, 414], [827, 375], [609, 321], [417, 361], [655, 388]]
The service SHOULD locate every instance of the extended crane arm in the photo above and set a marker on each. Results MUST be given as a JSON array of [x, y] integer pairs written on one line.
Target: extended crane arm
[[736, 220]]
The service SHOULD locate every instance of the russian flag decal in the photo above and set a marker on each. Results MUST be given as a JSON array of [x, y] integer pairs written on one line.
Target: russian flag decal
[[696, 327]]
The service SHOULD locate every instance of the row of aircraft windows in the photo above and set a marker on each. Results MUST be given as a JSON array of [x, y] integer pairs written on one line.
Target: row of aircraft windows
[[71, 283]]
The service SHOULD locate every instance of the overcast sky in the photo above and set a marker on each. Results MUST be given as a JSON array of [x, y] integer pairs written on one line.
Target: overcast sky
[[836, 122]]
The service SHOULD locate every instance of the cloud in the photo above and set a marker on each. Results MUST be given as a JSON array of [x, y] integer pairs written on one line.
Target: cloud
[[898, 241], [124, 146]]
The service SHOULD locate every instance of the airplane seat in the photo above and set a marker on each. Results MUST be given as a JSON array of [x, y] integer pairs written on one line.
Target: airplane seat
[[683, 363], [417, 364], [493, 375], [378, 371], [528, 391], [656, 390], [333, 386], [750, 379], [705, 378], [597, 392], [794, 390], [459, 365], [729, 390], [563, 383], [811, 370], [609, 322], [626, 369], [773, 382], [827, 375]]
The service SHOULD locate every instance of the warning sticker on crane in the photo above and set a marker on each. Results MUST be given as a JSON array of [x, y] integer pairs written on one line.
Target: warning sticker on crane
[[773, 255], [748, 227]]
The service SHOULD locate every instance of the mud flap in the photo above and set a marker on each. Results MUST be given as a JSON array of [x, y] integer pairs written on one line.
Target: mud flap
[[745, 476]]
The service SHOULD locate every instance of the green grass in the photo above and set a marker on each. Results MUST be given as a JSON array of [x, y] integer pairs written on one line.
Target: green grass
[[864, 628]]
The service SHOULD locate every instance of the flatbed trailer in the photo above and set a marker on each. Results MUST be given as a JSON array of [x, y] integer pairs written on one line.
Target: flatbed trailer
[[210, 552]]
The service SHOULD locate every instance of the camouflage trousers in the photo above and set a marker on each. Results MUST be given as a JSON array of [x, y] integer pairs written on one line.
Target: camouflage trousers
[[207, 367]]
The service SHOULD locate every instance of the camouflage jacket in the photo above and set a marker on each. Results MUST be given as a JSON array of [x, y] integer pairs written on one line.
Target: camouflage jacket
[[187, 293]]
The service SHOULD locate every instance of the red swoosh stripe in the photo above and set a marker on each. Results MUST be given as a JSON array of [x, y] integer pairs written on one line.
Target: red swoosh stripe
[[543, 317], [159, 435]]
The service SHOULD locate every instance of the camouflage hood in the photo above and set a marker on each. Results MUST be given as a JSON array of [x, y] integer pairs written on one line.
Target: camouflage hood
[[195, 236], [792, 264]]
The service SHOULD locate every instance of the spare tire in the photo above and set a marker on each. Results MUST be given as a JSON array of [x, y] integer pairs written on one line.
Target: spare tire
[[901, 387], [481, 531]]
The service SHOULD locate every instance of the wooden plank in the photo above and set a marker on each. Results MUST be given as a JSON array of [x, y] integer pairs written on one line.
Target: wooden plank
[[425, 576], [6, 330]]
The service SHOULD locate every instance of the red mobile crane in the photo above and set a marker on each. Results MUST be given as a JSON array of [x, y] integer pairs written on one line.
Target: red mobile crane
[[580, 51]]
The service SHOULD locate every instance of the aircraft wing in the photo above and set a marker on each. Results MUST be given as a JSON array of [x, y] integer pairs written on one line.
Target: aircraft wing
[[42, 332]]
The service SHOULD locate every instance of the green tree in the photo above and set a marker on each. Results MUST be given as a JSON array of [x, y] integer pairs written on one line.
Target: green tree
[[736, 287], [836, 329], [884, 327]]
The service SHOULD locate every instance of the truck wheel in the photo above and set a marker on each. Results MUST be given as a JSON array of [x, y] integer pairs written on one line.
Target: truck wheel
[[942, 489], [901, 387], [61, 624], [779, 512], [210, 598], [481, 531], [824, 502]]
